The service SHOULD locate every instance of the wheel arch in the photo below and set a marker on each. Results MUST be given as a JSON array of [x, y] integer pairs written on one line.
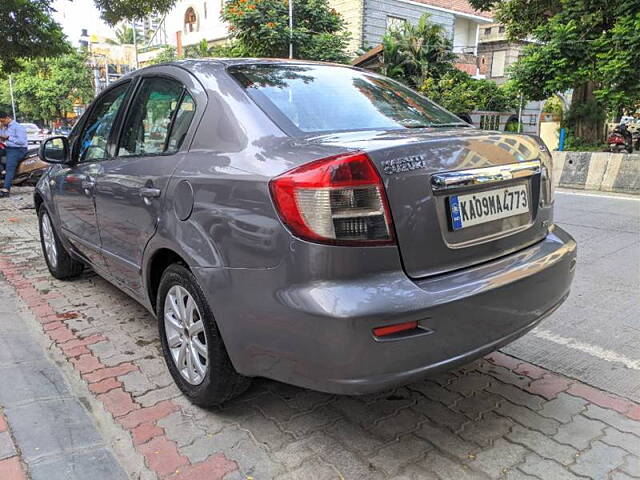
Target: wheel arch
[[159, 261]]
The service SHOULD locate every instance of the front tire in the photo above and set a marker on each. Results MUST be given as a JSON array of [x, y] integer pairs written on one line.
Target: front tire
[[61, 265], [191, 342]]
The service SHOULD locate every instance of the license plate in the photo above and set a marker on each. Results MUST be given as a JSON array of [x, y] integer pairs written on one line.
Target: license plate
[[482, 207]]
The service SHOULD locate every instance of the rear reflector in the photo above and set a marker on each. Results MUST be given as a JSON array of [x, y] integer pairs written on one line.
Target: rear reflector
[[391, 329], [337, 200]]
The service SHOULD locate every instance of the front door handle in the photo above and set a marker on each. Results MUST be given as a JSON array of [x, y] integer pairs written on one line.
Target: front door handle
[[88, 185], [148, 194]]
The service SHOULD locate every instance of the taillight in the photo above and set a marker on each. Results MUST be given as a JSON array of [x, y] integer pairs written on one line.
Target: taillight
[[337, 200]]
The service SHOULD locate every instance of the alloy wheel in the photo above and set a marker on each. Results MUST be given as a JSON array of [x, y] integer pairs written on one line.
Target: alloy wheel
[[49, 240], [186, 338]]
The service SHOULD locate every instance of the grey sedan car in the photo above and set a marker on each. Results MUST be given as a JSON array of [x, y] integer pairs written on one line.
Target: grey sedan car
[[315, 224]]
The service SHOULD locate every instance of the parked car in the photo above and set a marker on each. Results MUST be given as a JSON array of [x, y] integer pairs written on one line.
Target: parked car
[[64, 130], [402, 241], [35, 134]]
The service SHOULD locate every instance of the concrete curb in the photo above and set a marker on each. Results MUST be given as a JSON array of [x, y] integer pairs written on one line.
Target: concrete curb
[[599, 171]]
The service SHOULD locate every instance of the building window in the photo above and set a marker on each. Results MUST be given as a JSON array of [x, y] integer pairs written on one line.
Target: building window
[[205, 9], [395, 22], [190, 21], [498, 63], [501, 29], [487, 31]]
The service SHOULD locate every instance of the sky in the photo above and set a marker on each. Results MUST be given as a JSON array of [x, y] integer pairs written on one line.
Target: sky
[[78, 14]]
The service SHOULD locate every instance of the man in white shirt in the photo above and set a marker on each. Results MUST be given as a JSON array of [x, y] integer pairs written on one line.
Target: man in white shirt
[[14, 137]]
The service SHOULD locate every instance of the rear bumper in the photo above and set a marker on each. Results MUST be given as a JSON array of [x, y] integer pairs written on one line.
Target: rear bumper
[[319, 334]]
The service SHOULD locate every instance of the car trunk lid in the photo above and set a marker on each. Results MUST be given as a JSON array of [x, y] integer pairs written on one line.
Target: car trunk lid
[[458, 197]]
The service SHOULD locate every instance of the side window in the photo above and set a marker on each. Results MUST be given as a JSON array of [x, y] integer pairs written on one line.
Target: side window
[[181, 124], [95, 135], [148, 124]]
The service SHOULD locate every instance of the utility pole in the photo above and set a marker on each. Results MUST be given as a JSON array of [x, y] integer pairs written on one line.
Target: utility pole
[[135, 43], [13, 102], [290, 28]]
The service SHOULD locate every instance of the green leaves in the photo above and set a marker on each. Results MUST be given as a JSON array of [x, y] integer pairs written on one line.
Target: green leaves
[[48, 88], [414, 53], [260, 28], [459, 93], [27, 30]]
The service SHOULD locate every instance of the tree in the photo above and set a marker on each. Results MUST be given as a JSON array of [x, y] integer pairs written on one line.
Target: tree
[[124, 36], [260, 28], [27, 30], [415, 53], [47, 89], [592, 47], [460, 93]]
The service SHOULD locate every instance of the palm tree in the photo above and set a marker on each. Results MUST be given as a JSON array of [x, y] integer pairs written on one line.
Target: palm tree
[[124, 36], [413, 53]]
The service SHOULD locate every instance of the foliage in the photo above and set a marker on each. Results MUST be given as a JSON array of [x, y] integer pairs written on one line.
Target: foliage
[[167, 54], [114, 11], [460, 93], [592, 47], [260, 28], [124, 36], [414, 53], [27, 30], [199, 50], [554, 106], [46, 89]]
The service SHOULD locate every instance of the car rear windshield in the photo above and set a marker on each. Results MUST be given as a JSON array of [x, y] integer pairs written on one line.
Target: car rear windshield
[[324, 98]]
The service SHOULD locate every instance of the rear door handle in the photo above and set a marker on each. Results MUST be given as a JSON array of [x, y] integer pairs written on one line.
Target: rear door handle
[[148, 194], [88, 185]]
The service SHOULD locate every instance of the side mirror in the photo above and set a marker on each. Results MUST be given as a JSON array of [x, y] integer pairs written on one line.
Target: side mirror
[[54, 150]]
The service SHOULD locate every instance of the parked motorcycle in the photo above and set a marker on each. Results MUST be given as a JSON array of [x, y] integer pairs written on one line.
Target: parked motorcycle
[[29, 170], [620, 140]]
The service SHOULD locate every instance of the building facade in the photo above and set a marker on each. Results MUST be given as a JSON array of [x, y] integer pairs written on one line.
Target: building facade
[[368, 20], [188, 23]]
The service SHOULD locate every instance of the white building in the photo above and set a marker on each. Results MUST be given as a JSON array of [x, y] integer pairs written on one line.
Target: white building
[[190, 22]]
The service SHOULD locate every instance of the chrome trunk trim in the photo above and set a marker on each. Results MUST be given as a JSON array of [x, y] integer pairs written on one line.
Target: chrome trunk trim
[[484, 175]]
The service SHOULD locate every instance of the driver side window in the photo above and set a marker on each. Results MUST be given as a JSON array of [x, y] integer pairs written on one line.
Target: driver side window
[[95, 135]]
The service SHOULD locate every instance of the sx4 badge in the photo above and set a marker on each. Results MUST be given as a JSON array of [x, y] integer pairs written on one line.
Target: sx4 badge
[[403, 164]]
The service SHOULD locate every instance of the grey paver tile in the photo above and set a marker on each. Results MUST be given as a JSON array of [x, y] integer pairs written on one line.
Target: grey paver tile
[[626, 441], [563, 408], [96, 464], [528, 418], [446, 441], [392, 457], [445, 468], [62, 424], [497, 460], [542, 445], [579, 432], [485, 431], [545, 469], [6, 446], [613, 418], [599, 460], [631, 466], [355, 436]]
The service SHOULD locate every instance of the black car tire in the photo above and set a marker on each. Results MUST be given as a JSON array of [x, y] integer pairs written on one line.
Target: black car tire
[[66, 266], [221, 382]]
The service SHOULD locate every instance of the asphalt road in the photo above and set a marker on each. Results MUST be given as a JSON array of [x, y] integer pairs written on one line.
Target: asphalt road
[[595, 335]]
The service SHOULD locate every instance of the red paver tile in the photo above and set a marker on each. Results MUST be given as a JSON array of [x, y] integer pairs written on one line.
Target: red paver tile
[[600, 398], [162, 456], [503, 360], [77, 351], [52, 325], [634, 413], [118, 402], [214, 468], [549, 386], [108, 372], [3, 424], [10, 469], [530, 370], [148, 414], [145, 432], [86, 363], [61, 334], [78, 342], [104, 385]]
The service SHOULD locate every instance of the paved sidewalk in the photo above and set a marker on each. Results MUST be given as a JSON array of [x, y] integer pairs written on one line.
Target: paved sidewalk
[[44, 428], [496, 418]]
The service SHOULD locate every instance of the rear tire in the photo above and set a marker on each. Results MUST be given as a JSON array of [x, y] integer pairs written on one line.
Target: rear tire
[[191, 342], [61, 265]]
